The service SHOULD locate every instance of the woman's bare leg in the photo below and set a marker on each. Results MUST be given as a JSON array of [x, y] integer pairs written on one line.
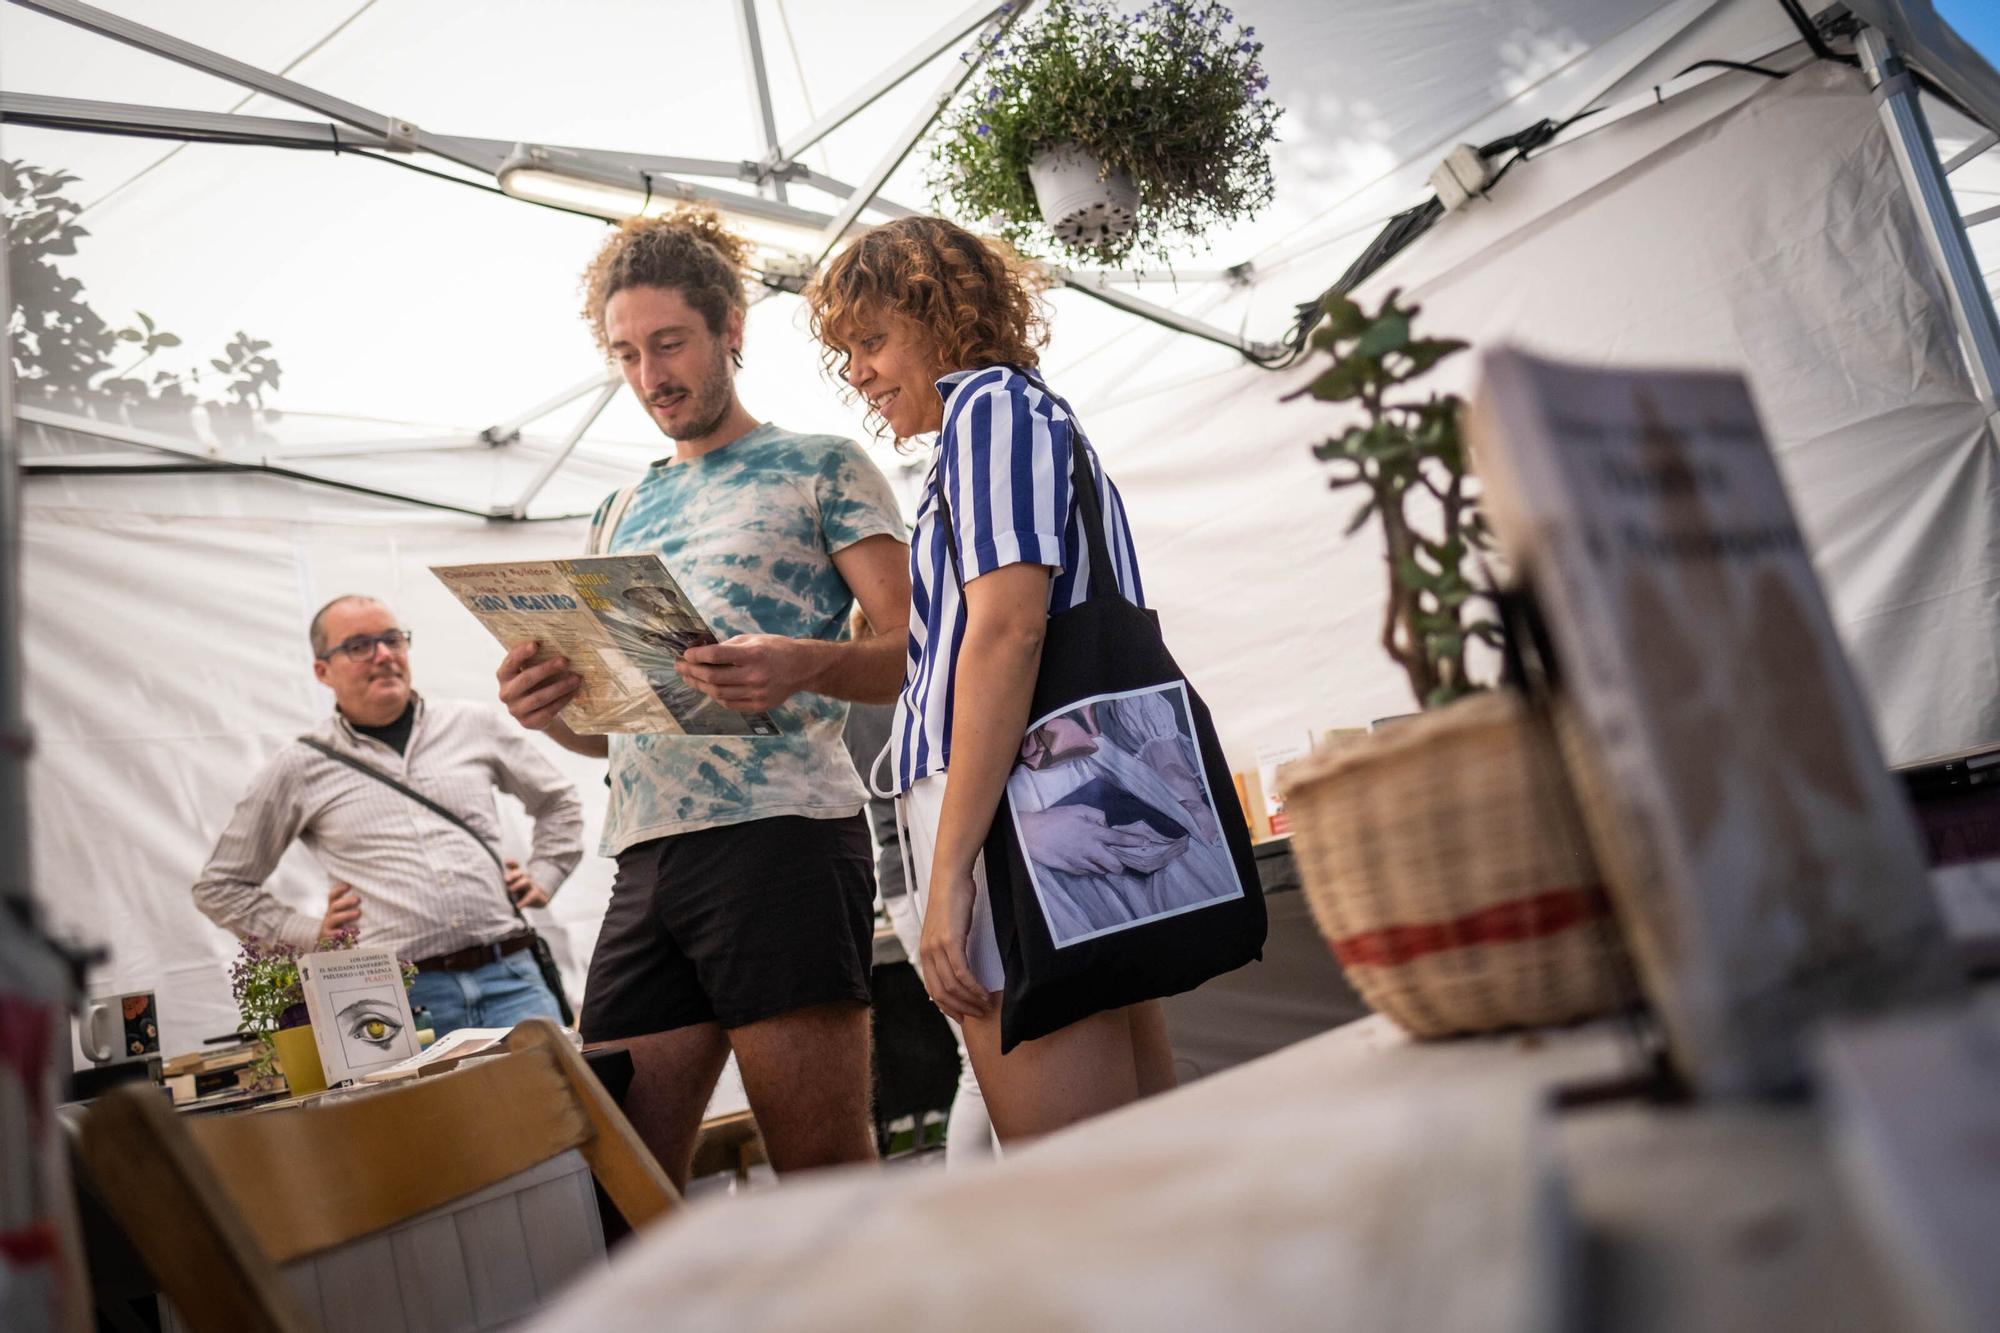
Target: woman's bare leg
[[1044, 1085], [1152, 1051]]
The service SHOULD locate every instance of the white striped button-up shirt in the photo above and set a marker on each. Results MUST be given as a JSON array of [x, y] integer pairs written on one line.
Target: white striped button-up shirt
[[1002, 462], [426, 888]]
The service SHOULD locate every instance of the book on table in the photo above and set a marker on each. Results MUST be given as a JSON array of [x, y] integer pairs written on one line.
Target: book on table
[[444, 1053], [360, 1011], [1764, 864], [622, 622]]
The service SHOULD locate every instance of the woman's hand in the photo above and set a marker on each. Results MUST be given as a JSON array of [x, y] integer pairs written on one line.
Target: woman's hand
[[1075, 840], [947, 973]]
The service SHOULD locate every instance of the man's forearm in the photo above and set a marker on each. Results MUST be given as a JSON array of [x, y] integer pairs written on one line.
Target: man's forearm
[[246, 911], [863, 671], [591, 747]]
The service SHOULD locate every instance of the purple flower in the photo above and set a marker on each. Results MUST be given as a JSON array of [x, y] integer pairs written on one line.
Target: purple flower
[[984, 130], [993, 93]]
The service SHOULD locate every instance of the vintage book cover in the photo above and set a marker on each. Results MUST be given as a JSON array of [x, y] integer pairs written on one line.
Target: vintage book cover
[[622, 622], [1764, 862], [360, 1011]]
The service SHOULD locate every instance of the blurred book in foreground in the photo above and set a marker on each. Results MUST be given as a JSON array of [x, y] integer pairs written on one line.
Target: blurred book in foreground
[[1764, 864]]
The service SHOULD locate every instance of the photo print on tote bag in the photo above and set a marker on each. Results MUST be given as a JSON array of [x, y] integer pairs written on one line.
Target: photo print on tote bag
[[1116, 823]]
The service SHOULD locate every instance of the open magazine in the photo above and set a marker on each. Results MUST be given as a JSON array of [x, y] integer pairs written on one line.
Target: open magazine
[[622, 622]]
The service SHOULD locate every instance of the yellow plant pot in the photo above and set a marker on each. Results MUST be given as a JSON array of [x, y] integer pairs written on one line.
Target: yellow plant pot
[[298, 1060]]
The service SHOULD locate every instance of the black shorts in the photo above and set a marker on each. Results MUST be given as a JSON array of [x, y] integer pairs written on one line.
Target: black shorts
[[733, 924]]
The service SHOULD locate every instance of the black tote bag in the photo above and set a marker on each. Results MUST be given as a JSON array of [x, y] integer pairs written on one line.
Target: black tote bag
[[1168, 896]]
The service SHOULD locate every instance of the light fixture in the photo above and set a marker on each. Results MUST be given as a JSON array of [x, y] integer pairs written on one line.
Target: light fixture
[[785, 238]]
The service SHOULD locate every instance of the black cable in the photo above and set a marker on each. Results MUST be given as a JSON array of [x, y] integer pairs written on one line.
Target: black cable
[[1735, 65]]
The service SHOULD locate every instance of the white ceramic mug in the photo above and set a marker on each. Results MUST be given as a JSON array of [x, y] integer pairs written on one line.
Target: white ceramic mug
[[123, 1027]]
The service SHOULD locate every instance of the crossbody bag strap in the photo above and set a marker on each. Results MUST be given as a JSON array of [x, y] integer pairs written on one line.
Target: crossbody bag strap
[[421, 799], [1083, 488]]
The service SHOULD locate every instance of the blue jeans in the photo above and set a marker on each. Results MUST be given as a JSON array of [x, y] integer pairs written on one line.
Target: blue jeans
[[497, 995]]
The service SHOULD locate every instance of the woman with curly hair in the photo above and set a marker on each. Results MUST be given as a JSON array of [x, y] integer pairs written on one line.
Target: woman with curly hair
[[938, 329]]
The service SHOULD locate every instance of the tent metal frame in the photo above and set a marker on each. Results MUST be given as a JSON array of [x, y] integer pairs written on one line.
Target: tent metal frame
[[770, 175], [1937, 212], [188, 457], [777, 167], [351, 126]]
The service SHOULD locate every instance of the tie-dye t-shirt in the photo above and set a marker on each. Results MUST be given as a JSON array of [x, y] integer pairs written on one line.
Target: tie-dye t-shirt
[[749, 531]]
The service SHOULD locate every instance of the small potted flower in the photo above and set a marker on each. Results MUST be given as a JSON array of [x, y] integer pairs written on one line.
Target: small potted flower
[[1444, 857], [271, 1003], [1100, 134]]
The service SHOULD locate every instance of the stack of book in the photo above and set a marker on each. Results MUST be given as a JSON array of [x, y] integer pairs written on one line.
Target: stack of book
[[215, 1075]]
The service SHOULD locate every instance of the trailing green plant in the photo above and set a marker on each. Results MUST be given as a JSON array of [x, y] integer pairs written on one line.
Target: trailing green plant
[[1406, 454], [67, 357], [1174, 96]]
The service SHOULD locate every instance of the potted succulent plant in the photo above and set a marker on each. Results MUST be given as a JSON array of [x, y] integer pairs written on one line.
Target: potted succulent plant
[[1406, 453], [1445, 859], [1100, 134]]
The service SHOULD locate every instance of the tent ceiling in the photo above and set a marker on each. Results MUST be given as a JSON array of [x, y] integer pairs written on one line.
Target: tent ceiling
[[389, 296]]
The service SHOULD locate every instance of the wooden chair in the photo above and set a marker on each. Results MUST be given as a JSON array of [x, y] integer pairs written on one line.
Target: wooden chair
[[217, 1203]]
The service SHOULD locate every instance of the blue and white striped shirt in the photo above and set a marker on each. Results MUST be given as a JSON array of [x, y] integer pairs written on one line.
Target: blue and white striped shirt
[[1002, 462]]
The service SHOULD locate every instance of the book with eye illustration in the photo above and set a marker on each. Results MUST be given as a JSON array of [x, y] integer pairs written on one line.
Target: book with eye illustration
[[622, 623], [360, 1011], [1764, 864]]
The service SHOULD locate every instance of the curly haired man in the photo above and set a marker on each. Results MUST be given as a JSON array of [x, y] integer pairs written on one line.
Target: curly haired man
[[741, 918]]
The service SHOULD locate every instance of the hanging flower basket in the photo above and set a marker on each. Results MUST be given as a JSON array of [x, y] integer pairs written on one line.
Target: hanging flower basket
[[1168, 103]]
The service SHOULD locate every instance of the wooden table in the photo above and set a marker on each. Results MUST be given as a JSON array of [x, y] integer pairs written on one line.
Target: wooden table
[[1353, 1181]]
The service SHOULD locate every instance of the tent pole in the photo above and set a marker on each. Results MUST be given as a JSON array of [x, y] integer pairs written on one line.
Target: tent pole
[[38, 984], [1937, 213], [772, 184], [400, 135], [936, 45], [560, 456], [899, 148], [16, 741], [506, 432]]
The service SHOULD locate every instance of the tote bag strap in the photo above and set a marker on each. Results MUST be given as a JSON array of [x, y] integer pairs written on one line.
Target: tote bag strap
[[1083, 488]]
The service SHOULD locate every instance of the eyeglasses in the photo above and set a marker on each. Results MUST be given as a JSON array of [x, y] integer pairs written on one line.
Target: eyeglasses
[[362, 646]]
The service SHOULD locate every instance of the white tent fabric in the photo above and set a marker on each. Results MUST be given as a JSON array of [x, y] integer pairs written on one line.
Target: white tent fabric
[[166, 612]]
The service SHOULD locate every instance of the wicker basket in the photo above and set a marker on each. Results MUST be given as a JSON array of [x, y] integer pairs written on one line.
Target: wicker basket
[[1446, 863]]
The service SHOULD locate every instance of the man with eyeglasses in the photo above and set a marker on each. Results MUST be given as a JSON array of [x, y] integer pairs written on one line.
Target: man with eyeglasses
[[404, 876]]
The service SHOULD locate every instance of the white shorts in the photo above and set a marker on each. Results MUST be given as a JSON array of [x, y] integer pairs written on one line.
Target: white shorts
[[917, 812]]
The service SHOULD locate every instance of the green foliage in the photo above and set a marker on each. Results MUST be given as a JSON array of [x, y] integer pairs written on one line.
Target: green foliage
[[1406, 449], [66, 357], [1173, 95]]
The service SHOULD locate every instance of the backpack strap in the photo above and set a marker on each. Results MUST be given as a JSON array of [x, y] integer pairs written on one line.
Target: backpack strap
[[604, 529]]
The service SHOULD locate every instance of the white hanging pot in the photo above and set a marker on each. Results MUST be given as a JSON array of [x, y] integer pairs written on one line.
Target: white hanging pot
[[1079, 208]]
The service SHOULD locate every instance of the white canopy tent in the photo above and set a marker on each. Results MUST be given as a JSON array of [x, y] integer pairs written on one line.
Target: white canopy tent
[[1739, 221]]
